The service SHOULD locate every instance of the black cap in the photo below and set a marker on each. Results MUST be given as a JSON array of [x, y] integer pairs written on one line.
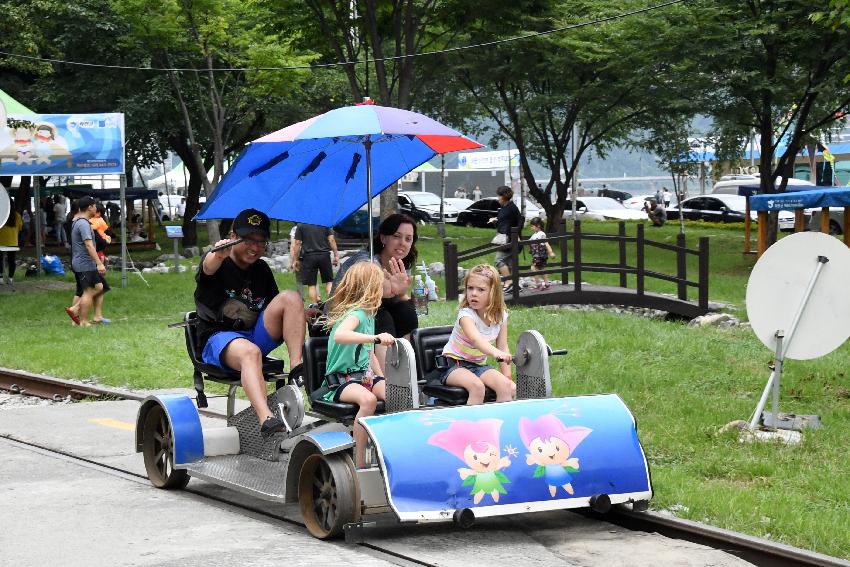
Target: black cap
[[252, 220]]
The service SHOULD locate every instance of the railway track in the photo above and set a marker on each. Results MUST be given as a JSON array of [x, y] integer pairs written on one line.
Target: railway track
[[756, 550]]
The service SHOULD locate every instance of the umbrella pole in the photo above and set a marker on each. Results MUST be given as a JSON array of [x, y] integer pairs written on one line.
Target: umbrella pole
[[369, 194]]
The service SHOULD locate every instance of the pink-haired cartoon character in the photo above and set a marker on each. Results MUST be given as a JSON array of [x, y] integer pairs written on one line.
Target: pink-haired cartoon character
[[477, 444], [550, 444]]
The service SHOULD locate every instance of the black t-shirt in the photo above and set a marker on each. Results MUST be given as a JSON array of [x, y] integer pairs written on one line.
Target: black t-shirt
[[255, 287], [314, 238], [507, 218]]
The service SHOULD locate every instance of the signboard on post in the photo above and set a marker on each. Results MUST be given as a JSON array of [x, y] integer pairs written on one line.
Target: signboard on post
[[61, 144], [502, 159]]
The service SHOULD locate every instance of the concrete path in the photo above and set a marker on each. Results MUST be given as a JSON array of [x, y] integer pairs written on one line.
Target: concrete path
[[54, 511]]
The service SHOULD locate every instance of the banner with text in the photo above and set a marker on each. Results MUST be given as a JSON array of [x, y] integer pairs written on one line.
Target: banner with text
[[61, 144], [502, 159]]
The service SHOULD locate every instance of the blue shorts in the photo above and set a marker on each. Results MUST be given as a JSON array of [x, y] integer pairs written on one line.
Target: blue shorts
[[454, 364], [219, 341]]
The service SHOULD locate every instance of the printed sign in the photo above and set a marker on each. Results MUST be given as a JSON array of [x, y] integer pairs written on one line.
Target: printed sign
[[174, 231], [61, 144], [502, 159]]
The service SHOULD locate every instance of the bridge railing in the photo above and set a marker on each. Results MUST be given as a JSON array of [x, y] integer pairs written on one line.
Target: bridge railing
[[575, 267]]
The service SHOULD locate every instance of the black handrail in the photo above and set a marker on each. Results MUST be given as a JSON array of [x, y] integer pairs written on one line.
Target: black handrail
[[453, 257]]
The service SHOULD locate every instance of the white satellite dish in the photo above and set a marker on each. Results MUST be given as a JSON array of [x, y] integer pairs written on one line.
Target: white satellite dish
[[5, 206], [778, 288], [798, 305]]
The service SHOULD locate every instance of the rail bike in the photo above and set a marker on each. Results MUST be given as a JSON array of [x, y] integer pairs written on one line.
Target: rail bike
[[431, 457]]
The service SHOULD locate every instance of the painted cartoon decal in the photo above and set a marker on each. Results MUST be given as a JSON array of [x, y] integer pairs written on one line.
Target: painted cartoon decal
[[550, 444], [541, 454], [477, 445]]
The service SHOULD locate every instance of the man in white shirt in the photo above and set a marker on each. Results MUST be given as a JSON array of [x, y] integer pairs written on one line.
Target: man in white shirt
[[59, 213]]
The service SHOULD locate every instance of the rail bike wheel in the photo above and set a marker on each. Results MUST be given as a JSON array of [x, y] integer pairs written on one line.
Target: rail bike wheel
[[158, 451], [328, 494]]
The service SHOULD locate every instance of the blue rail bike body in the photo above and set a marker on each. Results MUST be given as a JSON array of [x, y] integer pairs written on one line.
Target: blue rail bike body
[[508, 458]]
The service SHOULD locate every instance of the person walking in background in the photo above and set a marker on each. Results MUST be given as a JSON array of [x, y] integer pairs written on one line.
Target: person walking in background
[[26, 235], [540, 253], [476, 193], [659, 196], [506, 220], [88, 269], [59, 213], [666, 195], [9, 235], [311, 255]]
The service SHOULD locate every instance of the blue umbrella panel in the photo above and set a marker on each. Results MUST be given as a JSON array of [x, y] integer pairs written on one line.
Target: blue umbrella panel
[[318, 181]]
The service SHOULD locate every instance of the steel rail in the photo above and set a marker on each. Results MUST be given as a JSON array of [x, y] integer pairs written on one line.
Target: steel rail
[[58, 389], [756, 550]]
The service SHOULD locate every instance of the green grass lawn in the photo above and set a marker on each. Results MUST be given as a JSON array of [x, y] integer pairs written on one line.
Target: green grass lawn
[[681, 383]]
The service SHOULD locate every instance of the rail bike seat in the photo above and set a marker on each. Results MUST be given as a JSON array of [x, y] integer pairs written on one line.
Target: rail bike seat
[[315, 359], [428, 342], [273, 369]]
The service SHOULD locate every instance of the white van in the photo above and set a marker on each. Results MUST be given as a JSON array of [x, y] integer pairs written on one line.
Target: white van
[[729, 184]]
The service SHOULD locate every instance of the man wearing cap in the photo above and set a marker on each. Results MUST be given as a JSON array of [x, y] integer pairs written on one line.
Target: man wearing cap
[[88, 269], [243, 315]]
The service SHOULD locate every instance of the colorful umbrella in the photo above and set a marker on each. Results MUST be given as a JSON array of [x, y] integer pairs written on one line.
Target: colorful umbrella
[[321, 170]]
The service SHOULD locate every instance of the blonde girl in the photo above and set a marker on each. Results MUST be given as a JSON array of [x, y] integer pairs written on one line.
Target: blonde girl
[[481, 322], [352, 371]]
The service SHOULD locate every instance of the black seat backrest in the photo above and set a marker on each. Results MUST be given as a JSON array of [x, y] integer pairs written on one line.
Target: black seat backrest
[[191, 334], [315, 362], [427, 343]]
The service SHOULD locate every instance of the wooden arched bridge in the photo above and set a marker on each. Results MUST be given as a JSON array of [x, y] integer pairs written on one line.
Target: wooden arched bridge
[[571, 269]]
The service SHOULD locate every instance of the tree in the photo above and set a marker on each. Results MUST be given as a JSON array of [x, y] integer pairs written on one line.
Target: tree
[[346, 30], [219, 110], [609, 79], [775, 71]]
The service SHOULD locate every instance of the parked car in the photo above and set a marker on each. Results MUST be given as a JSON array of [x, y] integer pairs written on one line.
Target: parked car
[[532, 210], [458, 203], [836, 220], [729, 184], [479, 213], [355, 225], [425, 207], [722, 208], [636, 201], [602, 208]]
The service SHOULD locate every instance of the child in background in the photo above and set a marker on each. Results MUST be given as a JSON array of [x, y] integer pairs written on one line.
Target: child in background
[[352, 368], [481, 321], [540, 253], [98, 225]]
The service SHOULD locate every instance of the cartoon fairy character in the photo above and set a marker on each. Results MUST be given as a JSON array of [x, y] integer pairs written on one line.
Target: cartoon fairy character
[[550, 444], [476, 443]]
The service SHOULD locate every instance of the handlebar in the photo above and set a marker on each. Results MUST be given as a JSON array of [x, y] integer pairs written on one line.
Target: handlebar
[[225, 245], [523, 355]]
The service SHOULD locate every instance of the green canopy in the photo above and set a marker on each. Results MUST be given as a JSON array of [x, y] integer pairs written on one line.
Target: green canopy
[[424, 167], [13, 106]]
